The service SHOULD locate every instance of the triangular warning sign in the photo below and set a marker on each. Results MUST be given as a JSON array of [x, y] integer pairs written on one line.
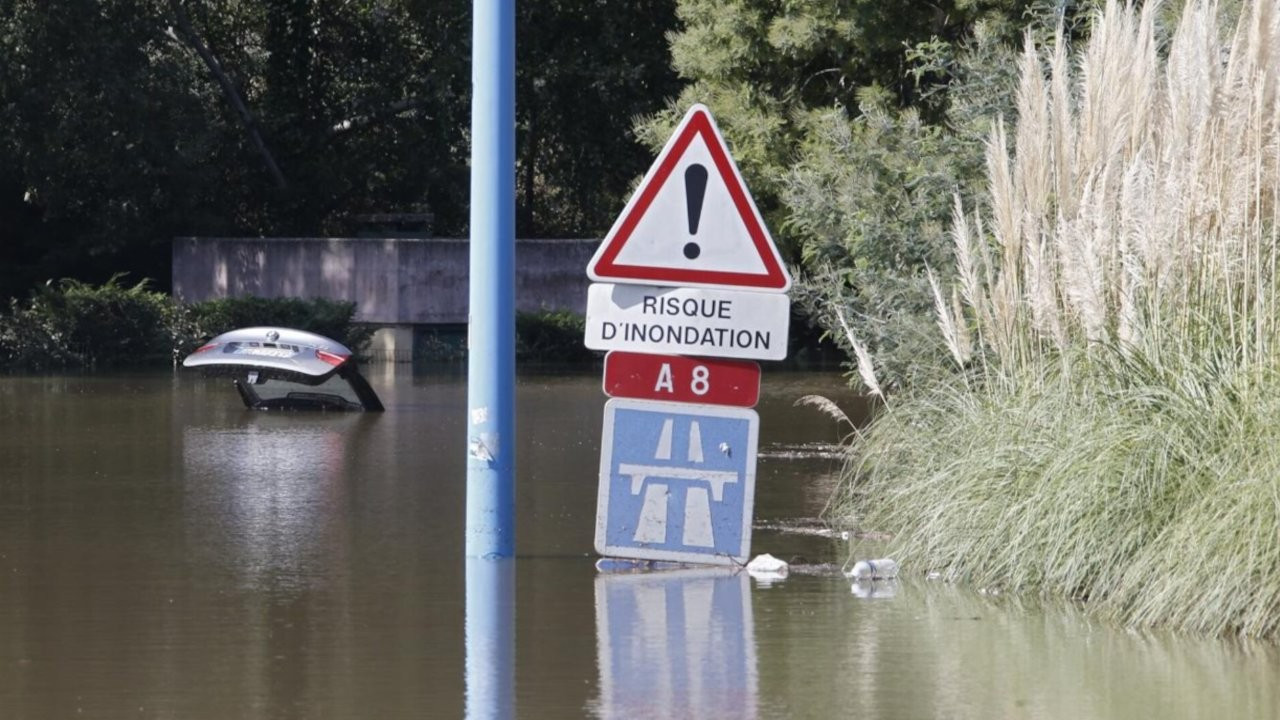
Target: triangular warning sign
[[691, 222]]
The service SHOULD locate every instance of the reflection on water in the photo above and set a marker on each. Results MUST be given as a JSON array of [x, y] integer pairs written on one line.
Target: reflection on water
[[675, 644], [491, 638], [935, 650], [276, 492], [872, 589], [165, 553]]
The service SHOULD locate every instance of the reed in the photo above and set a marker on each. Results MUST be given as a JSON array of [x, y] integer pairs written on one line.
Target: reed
[[1112, 434]]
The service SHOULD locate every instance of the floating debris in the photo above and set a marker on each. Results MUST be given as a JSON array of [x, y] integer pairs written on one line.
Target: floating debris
[[767, 569], [630, 565], [767, 564], [882, 569]]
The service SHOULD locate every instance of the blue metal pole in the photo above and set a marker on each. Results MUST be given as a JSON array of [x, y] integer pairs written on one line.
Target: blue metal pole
[[491, 342]]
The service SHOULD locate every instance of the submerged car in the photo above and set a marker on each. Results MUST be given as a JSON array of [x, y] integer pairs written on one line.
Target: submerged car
[[310, 371]]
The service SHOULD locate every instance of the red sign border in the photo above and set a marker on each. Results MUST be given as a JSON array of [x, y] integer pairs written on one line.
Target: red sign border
[[698, 122]]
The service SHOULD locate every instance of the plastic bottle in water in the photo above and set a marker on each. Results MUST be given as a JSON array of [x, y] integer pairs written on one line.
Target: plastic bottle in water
[[882, 569]]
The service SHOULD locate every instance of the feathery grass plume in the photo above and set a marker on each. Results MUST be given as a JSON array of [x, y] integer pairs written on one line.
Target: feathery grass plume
[[1128, 321], [1006, 206], [1085, 252], [1121, 447], [1002, 286], [968, 264], [1031, 164], [951, 325], [828, 408], [1042, 296], [963, 339], [1062, 149], [866, 369]]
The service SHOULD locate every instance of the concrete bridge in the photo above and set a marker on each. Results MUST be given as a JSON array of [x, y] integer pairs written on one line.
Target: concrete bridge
[[398, 284]]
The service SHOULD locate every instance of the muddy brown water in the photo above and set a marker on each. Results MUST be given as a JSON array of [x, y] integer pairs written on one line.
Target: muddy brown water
[[165, 553]]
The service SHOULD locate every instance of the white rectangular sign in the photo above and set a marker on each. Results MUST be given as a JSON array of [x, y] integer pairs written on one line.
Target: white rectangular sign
[[688, 321]]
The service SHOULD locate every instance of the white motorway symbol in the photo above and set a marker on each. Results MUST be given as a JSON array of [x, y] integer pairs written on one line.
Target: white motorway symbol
[[652, 525]]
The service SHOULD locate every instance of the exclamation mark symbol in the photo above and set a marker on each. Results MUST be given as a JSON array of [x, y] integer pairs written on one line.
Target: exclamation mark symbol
[[695, 188]]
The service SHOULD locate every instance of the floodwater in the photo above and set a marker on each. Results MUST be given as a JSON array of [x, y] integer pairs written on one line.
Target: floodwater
[[165, 553]]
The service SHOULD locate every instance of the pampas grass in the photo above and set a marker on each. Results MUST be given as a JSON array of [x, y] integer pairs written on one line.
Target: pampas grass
[[1114, 434]]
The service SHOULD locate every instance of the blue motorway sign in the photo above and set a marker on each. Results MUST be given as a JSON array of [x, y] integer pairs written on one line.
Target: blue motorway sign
[[677, 482]]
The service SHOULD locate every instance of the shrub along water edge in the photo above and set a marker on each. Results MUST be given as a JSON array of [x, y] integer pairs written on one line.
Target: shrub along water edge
[[70, 324], [1147, 492], [1111, 436], [552, 336]]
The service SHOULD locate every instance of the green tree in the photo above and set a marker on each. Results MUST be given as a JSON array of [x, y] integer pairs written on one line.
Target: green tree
[[336, 109], [855, 122], [96, 112], [761, 66], [124, 123], [585, 69], [869, 202]]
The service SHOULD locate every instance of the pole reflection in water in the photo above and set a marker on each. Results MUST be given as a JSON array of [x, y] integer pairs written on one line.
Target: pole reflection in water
[[676, 644], [491, 632]]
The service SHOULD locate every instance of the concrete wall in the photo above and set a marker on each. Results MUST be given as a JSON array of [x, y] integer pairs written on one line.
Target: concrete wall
[[394, 281]]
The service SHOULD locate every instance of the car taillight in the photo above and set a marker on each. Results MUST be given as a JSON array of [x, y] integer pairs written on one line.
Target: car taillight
[[205, 348], [331, 358]]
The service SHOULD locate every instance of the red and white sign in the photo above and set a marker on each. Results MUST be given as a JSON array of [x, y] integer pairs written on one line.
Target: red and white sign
[[691, 222], [681, 379]]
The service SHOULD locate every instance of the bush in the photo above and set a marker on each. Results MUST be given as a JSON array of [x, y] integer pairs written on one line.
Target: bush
[[73, 324], [1111, 436], [869, 201], [70, 324], [552, 336], [1146, 492]]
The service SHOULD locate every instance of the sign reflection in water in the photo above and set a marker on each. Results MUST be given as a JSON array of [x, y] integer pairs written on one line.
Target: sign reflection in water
[[676, 644]]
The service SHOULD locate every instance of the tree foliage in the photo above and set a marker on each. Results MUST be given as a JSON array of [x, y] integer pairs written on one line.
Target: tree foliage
[[855, 122], [124, 123], [870, 201], [762, 66], [585, 69]]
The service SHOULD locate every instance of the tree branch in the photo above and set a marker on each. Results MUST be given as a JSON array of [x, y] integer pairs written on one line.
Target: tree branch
[[190, 37], [376, 116]]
